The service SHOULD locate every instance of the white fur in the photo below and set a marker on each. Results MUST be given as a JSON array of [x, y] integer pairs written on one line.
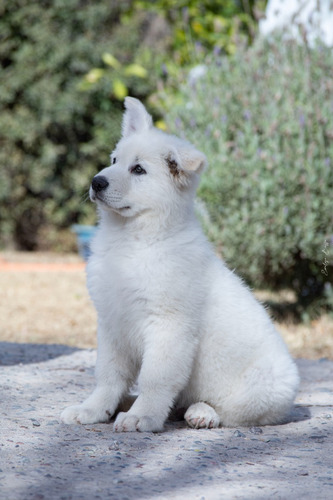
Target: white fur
[[169, 311]]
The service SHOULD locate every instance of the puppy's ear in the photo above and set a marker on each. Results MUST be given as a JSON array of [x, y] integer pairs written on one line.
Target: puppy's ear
[[136, 118], [190, 159], [183, 161]]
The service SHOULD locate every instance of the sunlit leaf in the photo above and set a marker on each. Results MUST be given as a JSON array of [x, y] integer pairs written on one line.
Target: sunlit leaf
[[94, 75], [136, 70], [110, 60], [119, 89], [161, 125], [197, 27]]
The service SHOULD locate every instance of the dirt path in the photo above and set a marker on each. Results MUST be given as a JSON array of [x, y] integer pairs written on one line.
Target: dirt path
[[43, 459]]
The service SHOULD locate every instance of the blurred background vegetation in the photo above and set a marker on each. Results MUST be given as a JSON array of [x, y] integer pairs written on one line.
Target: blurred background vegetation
[[260, 109]]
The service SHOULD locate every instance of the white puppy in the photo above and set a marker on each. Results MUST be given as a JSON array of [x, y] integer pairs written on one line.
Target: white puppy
[[169, 311]]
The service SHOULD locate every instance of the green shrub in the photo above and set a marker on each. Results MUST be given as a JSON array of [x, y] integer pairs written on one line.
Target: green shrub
[[55, 134], [264, 117]]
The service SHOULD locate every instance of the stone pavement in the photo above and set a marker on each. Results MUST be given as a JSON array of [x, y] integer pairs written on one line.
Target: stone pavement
[[43, 459]]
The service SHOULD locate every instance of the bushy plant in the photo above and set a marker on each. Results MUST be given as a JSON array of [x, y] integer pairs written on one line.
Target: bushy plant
[[56, 133], [264, 117]]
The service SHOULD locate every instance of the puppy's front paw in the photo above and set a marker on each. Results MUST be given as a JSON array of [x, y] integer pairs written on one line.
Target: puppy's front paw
[[202, 416], [80, 414], [127, 422]]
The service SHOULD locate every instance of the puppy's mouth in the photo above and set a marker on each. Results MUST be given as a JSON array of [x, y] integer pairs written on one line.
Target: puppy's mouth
[[120, 209], [96, 197]]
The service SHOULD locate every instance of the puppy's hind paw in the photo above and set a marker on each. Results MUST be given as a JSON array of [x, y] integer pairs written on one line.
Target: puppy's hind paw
[[202, 416]]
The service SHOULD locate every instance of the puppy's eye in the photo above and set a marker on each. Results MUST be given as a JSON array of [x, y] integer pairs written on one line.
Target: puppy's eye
[[114, 160], [138, 170]]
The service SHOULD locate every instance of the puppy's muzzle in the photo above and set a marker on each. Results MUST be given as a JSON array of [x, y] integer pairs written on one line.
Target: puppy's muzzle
[[99, 183]]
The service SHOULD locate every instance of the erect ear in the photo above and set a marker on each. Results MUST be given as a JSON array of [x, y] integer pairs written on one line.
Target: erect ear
[[192, 160], [136, 118], [187, 158]]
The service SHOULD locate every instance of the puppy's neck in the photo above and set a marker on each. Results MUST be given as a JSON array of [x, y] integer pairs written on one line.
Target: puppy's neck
[[148, 226]]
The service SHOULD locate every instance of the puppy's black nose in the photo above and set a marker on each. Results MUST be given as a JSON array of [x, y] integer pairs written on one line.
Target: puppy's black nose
[[99, 183]]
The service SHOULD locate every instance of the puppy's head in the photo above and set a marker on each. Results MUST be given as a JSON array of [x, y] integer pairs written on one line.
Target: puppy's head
[[150, 170]]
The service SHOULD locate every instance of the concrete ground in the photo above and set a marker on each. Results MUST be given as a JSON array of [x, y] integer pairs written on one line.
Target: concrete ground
[[43, 459]]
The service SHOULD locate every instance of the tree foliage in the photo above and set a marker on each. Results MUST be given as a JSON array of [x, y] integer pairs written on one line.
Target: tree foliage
[[54, 134], [207, 24]]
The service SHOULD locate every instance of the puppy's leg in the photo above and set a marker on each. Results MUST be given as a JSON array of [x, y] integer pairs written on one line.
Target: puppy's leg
[[165, 371], [113, 378], [201, 415]]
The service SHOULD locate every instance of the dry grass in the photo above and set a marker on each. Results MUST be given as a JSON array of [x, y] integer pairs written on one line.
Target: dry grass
[[46, 306], [54, 307], [312, 339]]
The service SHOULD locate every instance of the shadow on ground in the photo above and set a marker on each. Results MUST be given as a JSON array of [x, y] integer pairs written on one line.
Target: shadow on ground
[[12, 353]]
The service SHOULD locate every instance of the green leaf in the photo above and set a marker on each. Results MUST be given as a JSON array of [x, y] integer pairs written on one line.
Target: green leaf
[[119, 89], [94, 75], [161, 125], [110, 60], [136, 70]]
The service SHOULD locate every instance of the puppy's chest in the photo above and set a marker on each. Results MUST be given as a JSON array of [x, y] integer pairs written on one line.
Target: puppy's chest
[[127, 284]]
